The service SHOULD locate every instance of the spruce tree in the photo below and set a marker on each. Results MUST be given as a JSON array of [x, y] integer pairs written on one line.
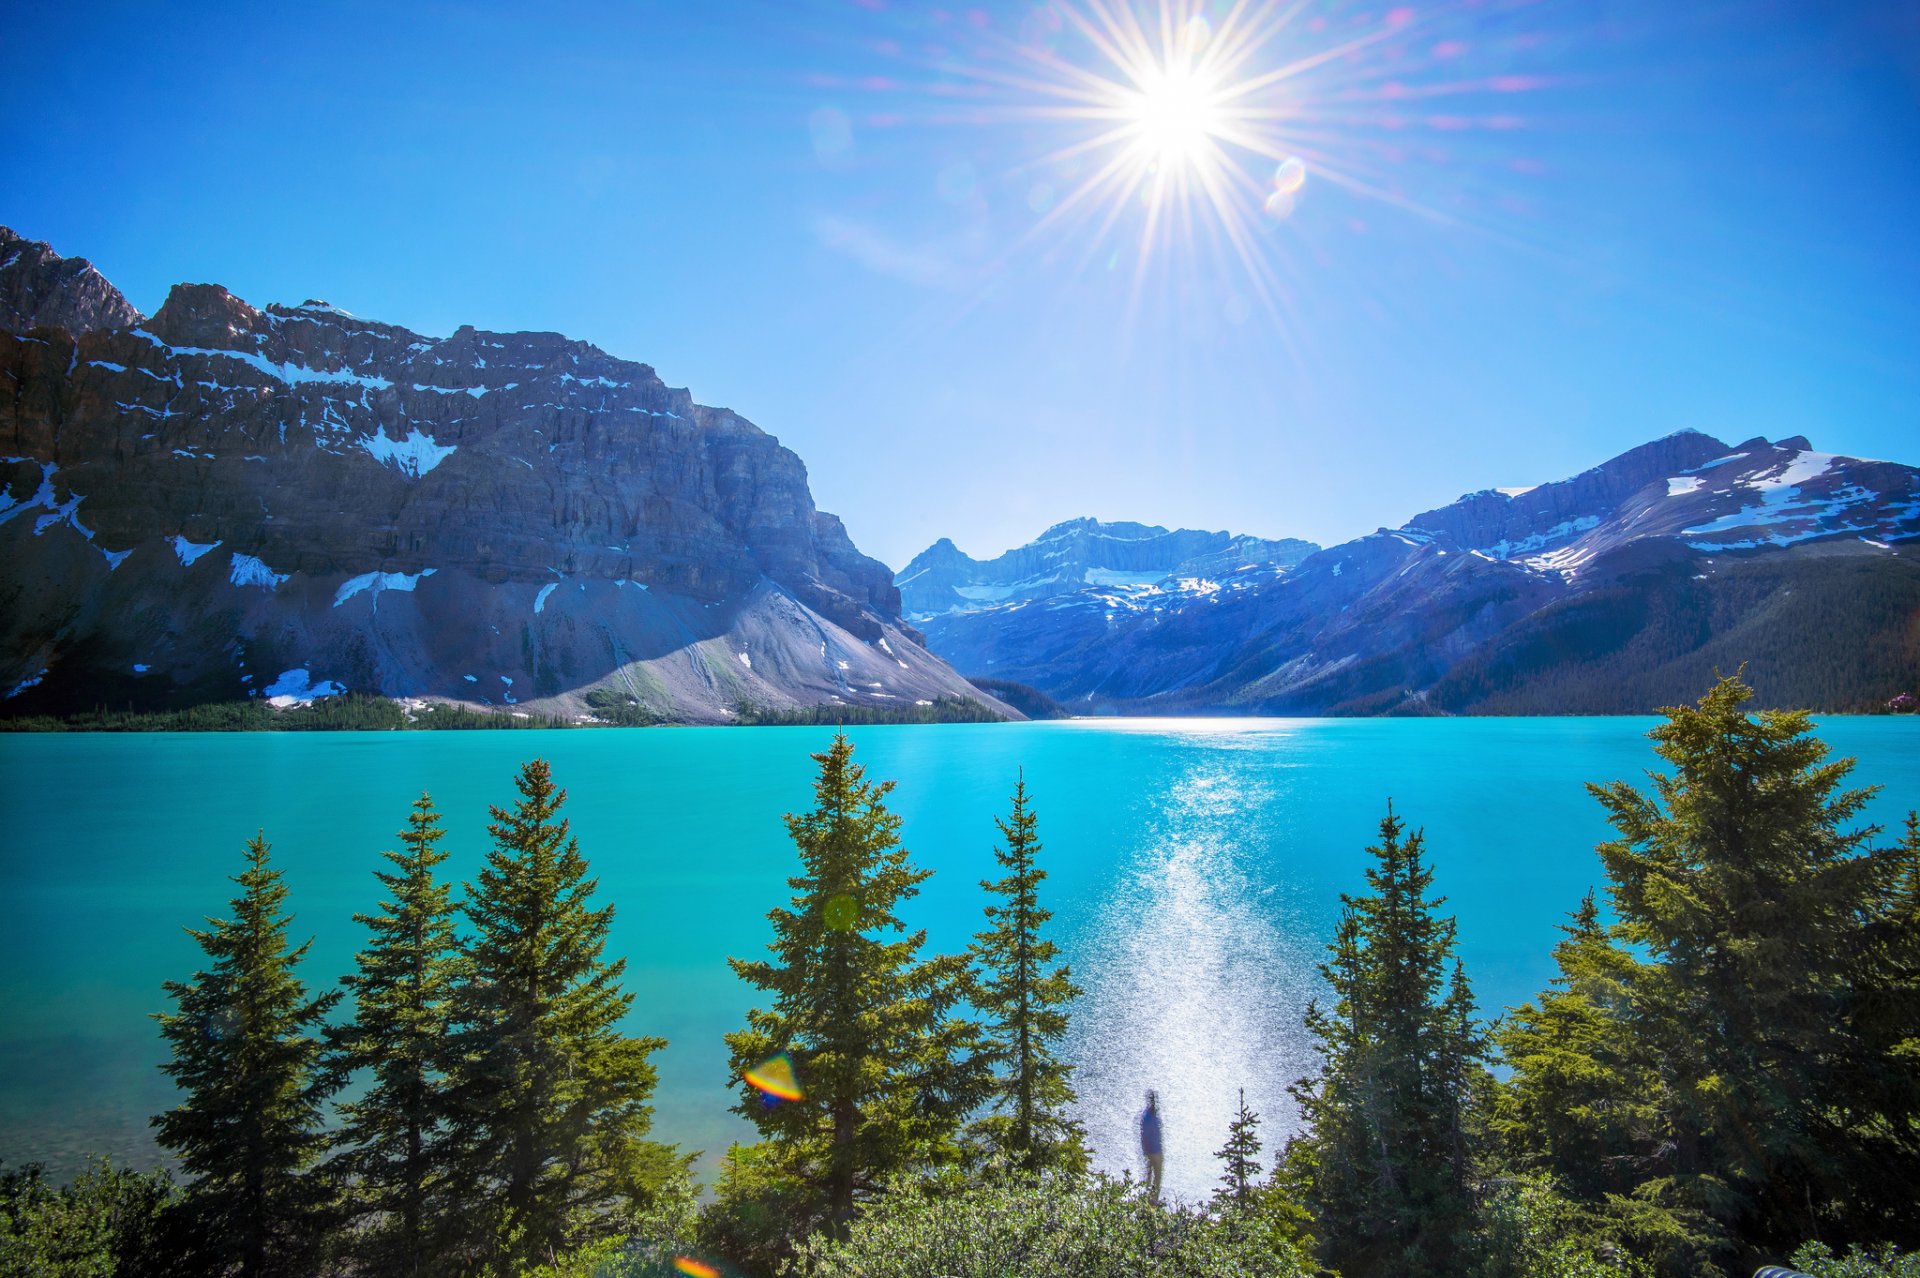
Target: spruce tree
[[1580, 1105], [393, 1136], [1747, 878], [1240, 1159], [886, 1067], [245, 1051], [1024, 1006], [549, 1098], [1386, 1158]]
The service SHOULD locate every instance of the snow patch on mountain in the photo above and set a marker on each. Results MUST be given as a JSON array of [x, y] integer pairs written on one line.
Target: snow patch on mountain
[[377, 582], [190, 551], [415, 455], [250, 571]]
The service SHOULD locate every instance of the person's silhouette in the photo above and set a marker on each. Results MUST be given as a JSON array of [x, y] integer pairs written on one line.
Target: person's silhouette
[[1150, 1142]]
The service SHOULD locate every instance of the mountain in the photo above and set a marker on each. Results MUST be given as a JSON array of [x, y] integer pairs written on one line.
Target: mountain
[[1618, 590], [226, 501], [1123, 558]]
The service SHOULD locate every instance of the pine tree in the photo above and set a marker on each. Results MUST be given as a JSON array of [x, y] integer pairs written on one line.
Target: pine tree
[[245, 1052], [1749, 882], [392, 1136], [1581, 1102], [549, 1097], [1024, 1005], [1387, 1159], [1240, 1157], [886, 1067]]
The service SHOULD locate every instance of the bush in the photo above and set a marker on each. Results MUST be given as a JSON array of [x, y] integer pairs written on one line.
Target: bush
[[1097, 1228], [109, 1221], [1816, 1259]]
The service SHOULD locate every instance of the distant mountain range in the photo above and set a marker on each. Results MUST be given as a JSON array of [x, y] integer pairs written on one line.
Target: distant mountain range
[[1619, 590], [223, 501], [1131, 559]]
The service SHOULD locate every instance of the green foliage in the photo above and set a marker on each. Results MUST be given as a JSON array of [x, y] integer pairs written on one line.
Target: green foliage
[[1387, 1158], [887, 1067], [1240, 1162], [1023, 1006], [244, 1050], [943, 710], [1746, 879], [1011, 1229], [1818, 1259], [1582, 1100], [109, 1222], [1025, 698], [353, 711], [393, 1135], [1528, 1230], [549, 1099], [623, 709]]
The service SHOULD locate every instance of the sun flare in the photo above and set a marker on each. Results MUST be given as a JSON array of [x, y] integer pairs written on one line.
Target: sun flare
[[1177, 115]]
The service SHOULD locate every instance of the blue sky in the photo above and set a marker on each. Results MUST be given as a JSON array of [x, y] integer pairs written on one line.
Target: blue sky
[[1585, 225]]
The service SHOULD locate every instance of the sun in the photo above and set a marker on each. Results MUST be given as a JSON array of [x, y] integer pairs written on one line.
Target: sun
[[1177, 113]]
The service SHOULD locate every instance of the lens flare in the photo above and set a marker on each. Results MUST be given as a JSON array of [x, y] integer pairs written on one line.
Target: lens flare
[[695, 1268], [775, 1077], [842, 912]]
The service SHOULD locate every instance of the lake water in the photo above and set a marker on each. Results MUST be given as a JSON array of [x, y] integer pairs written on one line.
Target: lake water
[[1195, 865]]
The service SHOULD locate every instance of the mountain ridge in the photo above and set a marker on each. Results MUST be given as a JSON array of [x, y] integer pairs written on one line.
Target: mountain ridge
[[225, 497], [1614, 590]]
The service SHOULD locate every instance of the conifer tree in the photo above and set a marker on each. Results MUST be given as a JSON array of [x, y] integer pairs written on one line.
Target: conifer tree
[[1024, 1005], [549, 1098], [886, 1067], [393, 1136], [1747, 878], [1386, 1156], [1240, 1159], [245, 1051]]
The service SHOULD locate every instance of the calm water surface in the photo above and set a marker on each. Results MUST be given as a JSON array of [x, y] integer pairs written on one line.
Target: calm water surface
[[1196, 867]]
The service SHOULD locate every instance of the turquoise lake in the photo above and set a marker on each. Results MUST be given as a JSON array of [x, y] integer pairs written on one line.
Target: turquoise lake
[[1196, 868]]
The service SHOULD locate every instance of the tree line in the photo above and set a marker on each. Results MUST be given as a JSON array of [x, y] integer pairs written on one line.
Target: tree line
[[1725, 1070]]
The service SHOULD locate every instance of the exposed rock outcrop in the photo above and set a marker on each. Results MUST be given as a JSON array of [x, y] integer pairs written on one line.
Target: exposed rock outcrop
[[208, 503]]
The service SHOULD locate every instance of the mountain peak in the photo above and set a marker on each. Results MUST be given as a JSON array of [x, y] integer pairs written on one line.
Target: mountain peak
[[41, 289]]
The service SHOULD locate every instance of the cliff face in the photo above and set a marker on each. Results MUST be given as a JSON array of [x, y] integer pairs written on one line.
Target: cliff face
[[226, 499]]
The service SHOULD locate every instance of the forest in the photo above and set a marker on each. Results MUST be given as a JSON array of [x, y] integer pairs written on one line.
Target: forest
[[1724, 1072]]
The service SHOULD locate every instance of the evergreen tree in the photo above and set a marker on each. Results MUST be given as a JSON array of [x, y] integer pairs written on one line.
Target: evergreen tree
[[886, 1067], [1240, 1159], [245, 1052], [1747, 879], [1386, 1157], [1582, 1102], [392, 1136], [549, 1098], [1024, 1005]]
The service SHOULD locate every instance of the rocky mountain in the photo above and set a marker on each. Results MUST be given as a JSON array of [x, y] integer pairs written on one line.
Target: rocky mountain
[[1618, 590], [1123, 559], [226, 501]]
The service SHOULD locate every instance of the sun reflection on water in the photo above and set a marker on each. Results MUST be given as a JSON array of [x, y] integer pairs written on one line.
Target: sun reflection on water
[[1195, 983]]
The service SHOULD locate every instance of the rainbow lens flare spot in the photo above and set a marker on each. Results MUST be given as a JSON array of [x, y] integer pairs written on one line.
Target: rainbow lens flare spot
[[775, 1077], [842, 913], [695, 1268]]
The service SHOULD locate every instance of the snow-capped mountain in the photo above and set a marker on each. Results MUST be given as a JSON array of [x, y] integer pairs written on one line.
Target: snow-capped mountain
[[1105, 561], [224, 501], [1622, 588]]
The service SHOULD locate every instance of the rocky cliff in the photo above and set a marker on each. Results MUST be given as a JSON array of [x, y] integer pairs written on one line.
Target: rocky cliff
[[225, 501]]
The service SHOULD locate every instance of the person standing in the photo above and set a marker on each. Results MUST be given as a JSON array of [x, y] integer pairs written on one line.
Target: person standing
[[1151, 1144]]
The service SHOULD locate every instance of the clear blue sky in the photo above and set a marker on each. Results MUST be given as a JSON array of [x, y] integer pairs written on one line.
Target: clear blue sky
[[1610, 220]]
